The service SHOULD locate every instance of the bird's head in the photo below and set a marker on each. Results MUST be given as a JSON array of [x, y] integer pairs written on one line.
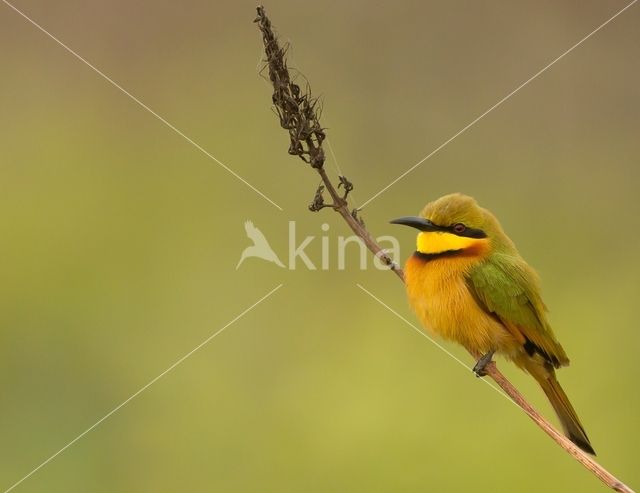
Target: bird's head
[[455, 224]]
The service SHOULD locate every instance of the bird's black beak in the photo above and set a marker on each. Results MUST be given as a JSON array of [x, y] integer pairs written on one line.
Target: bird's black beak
[[416, 222]]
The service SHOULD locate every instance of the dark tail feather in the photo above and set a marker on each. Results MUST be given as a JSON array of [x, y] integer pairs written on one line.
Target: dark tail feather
[[567, 415]]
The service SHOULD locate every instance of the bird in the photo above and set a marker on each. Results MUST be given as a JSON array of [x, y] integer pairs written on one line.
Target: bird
[[467, 282], [260, 247]]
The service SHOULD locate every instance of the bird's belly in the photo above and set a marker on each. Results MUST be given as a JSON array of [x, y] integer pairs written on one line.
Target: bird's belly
[[444, 305]]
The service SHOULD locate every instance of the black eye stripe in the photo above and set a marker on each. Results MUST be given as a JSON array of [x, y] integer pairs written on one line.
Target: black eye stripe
[[473, 233], [467, 233]]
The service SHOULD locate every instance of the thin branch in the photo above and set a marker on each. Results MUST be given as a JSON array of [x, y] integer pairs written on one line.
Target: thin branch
[[298, 112]]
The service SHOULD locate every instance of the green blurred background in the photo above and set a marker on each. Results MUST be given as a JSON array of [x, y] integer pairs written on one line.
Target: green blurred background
[[120, 242]]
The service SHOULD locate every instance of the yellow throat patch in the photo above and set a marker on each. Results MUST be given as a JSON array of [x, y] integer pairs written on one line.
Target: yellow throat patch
[[438, 242]]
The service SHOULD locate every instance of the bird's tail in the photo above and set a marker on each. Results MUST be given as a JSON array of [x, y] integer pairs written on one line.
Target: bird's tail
[[563, 408]]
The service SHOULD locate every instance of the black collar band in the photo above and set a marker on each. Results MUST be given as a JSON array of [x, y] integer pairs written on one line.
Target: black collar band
[[432, 256]]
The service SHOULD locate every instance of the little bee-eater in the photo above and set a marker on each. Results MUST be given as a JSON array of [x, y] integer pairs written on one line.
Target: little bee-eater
[[467, 282]]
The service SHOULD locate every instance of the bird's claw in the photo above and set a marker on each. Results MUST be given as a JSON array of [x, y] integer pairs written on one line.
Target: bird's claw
[[480, 368]]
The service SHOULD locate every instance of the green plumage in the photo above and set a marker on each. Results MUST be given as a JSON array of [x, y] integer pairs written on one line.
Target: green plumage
[[505, 286]]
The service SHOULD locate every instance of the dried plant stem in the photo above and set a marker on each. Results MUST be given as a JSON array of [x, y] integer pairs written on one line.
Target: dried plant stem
[[299, 114], [341, 206], [585, 459]]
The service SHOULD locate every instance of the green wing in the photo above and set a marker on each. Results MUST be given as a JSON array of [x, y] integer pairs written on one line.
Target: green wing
[[508, 289]]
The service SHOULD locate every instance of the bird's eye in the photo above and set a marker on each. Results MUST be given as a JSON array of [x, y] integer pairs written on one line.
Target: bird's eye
[[459, 228]]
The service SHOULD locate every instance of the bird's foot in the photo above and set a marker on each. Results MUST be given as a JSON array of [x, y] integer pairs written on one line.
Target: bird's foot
[[480, 368]]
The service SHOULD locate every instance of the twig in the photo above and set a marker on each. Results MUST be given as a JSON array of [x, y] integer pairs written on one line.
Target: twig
[[299, 115]]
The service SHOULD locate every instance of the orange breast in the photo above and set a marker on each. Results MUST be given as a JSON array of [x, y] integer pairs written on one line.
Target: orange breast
[[439, 295]]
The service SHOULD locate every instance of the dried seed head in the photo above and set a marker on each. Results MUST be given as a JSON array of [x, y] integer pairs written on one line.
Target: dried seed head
[[298, 111]]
